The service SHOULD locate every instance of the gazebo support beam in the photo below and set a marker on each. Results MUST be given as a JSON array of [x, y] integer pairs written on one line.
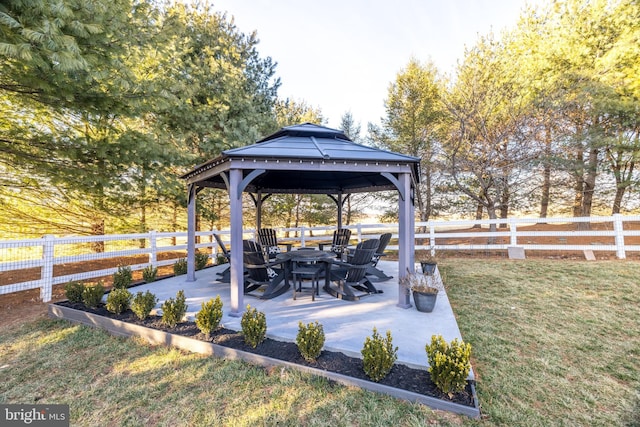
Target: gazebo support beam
[[406, 236], [191, 233], [237, 267], [339, 201], [258, 200]]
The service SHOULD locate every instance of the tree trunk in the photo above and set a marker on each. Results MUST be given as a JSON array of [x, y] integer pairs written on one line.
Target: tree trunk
[[479, 210], [617, 200], [623, 181], [578, 185], [427, 207], [97, 229], [546, 173], [588, 187], [174, 224], [504, 205], [590, 182], [198, 219], [491, 211], [143, 224]]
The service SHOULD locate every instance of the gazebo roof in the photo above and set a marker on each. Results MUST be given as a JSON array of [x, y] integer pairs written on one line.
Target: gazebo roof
[[306, 159]]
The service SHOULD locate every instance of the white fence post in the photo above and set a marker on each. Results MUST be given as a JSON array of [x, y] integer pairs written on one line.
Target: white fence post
[[359, 228], [302, 236], [153, 247], [618, 229], [513, 230], [48, 249]]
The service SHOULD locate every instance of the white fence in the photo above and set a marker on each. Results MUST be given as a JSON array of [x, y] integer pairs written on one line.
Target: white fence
[[39, 257]]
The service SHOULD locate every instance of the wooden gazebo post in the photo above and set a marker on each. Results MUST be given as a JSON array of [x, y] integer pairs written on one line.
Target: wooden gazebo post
[[237, 271], [406, 233]]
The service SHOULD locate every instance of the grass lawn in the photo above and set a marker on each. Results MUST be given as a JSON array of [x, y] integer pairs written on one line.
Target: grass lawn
[[554, 343]]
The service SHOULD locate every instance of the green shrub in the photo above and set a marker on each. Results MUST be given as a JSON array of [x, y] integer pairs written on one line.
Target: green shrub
[[118, 300], [310, 340], [73, 291], [180, 267], [201, 260], [150, 274], [378, 355], [221, 259], [123, 277], [254, 326], [92, 295], [209, 316], [449, 364], [174, 310], [142, 304]]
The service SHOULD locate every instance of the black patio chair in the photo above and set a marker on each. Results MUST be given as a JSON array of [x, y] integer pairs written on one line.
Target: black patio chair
[[269, 241], [348, 280], [340, 242], [224, 276], [373, 269], [259, 273]]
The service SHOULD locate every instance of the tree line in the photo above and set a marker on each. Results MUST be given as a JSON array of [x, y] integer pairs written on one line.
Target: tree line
[[542, 119], [106, 103]]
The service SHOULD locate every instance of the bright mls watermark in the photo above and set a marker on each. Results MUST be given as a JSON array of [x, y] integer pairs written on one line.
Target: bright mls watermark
[[34, 415]]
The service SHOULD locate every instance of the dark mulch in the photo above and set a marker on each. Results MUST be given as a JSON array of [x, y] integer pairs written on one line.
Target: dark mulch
[[401, 376]]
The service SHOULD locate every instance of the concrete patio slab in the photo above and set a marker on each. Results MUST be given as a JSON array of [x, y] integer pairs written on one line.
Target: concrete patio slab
[[346, 323]]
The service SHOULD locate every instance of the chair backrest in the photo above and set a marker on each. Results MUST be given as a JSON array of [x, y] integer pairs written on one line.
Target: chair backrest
[[368, 244], [267, 237], [340, 240], [359, 262], [253, 260], [341, 236], [225, 251], [269, 241], [384, 241], [251, 246]]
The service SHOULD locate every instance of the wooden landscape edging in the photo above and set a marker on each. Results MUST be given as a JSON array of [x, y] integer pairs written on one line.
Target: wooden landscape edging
[[154, 336]]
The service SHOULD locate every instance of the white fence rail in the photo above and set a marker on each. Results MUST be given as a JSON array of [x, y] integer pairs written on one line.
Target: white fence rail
[[40, 256]]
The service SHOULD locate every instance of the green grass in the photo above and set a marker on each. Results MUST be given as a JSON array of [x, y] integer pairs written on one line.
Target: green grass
[[554, 343]]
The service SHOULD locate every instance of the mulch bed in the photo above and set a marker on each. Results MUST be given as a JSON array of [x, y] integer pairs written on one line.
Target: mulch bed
[[401, 376]]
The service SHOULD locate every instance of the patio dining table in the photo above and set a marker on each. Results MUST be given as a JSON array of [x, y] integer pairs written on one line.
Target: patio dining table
[[305, 255]]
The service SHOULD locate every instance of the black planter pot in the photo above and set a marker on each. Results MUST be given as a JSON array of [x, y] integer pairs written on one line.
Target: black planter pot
[[424, 302], [428, 267]]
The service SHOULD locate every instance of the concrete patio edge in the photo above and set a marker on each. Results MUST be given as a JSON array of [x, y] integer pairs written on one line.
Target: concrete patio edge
[[154, 336]]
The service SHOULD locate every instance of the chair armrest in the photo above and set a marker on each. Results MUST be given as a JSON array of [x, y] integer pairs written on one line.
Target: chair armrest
[[274, 263], [340, 263], [288, 245]]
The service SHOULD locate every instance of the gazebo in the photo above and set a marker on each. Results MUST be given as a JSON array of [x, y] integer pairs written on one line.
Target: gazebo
[[303, 159]]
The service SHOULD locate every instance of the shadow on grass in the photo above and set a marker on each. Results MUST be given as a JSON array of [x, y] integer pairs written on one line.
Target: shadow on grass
[[632, 419], [130, 383]]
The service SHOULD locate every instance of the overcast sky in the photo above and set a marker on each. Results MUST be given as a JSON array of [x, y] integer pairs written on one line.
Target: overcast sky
[[341, 55]]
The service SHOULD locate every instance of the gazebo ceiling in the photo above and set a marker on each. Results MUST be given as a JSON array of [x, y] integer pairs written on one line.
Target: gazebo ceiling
[[306, 159]]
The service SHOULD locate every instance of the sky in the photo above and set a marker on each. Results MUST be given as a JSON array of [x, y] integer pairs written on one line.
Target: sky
[[342, 55]]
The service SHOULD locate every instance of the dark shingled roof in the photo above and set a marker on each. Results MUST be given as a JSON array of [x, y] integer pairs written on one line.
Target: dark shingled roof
[[307, 158]]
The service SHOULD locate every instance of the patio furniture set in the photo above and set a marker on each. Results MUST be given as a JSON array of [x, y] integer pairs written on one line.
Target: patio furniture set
[[348, 273]]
